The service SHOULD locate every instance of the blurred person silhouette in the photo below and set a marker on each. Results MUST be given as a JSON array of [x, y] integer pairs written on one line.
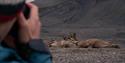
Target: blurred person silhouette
[[24, 44]]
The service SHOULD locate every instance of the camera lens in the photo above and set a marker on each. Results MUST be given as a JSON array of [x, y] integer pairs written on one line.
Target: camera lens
[[11, 7]]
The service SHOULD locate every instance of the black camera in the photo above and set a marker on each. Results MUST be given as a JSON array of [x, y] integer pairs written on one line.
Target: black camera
[[9, 9], [15, 28]]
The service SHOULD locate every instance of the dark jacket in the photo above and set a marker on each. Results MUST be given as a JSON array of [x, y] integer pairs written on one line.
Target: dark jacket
[[33, 52]]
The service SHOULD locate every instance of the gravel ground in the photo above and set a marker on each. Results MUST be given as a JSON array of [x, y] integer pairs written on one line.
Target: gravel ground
[[88, 55]]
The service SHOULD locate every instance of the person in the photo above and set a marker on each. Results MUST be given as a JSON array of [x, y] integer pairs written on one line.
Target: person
[[30, 48]]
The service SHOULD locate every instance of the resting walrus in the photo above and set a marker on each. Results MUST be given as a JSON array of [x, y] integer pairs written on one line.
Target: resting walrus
[[96, 43], [62, 44]]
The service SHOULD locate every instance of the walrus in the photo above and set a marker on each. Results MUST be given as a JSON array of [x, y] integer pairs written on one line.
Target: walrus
[[62, 44], [70, 36], [54, 43], [96, 43]]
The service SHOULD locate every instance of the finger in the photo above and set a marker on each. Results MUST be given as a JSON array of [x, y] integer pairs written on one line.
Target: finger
[[21, 18], [33, 10]]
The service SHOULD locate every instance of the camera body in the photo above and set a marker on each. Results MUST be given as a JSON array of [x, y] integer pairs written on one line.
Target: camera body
[[15, 28], [9, 9]]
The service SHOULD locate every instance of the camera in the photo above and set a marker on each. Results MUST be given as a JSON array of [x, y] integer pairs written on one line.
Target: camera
[[15, 28], [9, 10]]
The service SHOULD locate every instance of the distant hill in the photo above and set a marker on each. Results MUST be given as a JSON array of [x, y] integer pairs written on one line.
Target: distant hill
[[103, 19]]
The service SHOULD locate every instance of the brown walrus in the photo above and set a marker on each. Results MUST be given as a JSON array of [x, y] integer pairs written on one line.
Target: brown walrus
[[70, 36], [96, 43], [62, 44]]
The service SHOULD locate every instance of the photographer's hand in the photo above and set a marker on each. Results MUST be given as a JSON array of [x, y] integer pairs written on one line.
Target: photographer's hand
[[29, 28]]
